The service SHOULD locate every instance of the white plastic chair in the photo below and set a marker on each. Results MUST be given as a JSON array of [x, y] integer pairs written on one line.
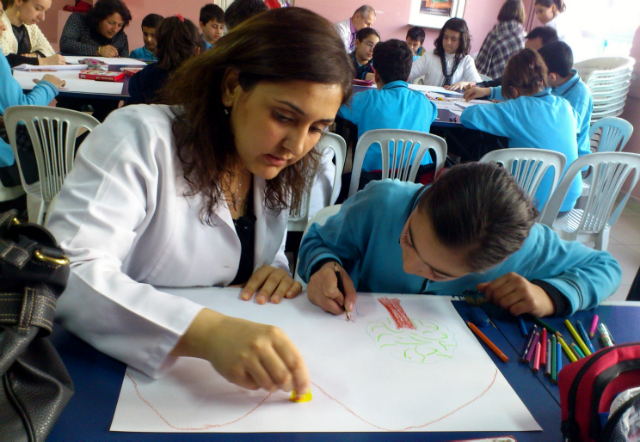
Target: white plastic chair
[[399, 146], [610, 170], [529, 165], [299, 217], [611, 134], [53, 133], [320, 218]]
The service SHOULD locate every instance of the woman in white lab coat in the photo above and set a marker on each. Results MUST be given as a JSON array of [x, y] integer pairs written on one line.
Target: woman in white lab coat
[[196, 193]]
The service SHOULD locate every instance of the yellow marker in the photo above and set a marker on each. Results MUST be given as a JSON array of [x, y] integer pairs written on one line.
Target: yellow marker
[[570, 354], [577, 338], [301, 398]]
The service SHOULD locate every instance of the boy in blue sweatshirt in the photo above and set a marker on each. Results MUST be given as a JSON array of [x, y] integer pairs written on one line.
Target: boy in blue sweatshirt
[[566, 83], [150, 24], [392, 105], [472, 230]]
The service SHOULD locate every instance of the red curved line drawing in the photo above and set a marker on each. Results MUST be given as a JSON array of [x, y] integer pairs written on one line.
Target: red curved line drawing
[[209, 426]]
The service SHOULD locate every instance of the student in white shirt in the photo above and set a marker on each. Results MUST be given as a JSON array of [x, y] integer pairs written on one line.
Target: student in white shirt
[[550, 13], [169, 195], [450, 61]]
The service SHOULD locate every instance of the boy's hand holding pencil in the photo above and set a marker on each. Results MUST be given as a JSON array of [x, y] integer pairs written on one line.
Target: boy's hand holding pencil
[[331, 289], [516, 294]]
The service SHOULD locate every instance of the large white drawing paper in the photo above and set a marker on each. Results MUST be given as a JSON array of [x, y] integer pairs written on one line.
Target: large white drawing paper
[[436, 89], [73, 82], [407, 363], [75, 59]]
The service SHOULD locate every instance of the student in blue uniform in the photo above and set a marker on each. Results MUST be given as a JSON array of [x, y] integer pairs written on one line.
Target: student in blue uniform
[[366, 41], [211, 24], [472, 230], [392, 105], [566, 83], [415, 40], [150, 24], [530, 117]]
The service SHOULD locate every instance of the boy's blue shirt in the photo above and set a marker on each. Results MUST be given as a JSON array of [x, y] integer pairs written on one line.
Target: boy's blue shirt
[[395, 106], [143, 54], [11, 95], [577, 93], [542, 121], [207, 45], [364, 238]]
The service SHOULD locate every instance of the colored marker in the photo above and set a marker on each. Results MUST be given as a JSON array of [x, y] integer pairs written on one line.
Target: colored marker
[[523, 327], [532, 349], [585, 336], [576, 337], [577, 350], [607, 341], [558, 359], [341, 289], [543, 341], [567, 350], [547, 367], [536, 358], [594, 326], [606, 327], [487, 341], [527, 345], [554, 357], [552, 330]]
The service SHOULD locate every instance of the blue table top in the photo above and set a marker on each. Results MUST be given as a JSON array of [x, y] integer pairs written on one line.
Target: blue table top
[[98, 379]]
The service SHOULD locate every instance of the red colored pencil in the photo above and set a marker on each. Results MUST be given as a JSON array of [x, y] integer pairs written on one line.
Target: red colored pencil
[[543, 355], [536, 358], [487, 341]]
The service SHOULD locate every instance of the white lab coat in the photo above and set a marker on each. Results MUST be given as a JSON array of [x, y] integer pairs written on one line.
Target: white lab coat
[[343, 28], [126, 225], [430, 66]]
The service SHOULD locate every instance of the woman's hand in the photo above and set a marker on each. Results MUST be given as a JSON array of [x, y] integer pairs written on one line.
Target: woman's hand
[[107, 51], [245, 353], [461, 86], [516, 294], [58, 83], [322, 289], [271, 283], [477, 92], [55, 59]]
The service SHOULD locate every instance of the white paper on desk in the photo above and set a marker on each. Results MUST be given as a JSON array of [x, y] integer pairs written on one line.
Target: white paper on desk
[[56, 67], [438, 89], [448, 105], [367, 376], [74, 59], [73, 83], [466, 104]]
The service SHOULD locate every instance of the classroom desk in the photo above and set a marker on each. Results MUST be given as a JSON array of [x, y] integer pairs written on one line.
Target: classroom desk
[[98, 379]]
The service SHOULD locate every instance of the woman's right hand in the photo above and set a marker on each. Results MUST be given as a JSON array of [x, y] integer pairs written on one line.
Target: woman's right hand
[[323, 291], [245, 353], [55, 59], [58, 83], [108, 51], [461, 86]]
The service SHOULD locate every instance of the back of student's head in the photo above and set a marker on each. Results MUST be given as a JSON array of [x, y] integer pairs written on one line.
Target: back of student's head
[[211, 12], [178, 40], [105, 8], [392, 60], [560, 6], [457, 25], [512, 10], [363, 33], [546, 34], [558, 57], [152, 21], [479, 208], [262, 51], [416, 33], [241, 10], [525, 71]]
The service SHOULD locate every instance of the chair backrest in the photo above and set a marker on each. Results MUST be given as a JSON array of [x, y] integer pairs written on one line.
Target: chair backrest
[[529, 165], [53, 133], [299, 216], [610, 133], [610, 170], [405, 149]]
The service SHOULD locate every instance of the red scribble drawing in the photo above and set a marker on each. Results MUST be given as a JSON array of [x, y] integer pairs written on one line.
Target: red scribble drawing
[[411, 427], [397, 313]]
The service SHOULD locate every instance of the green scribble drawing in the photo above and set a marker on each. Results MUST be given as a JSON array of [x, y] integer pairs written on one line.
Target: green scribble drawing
[[428, 344]]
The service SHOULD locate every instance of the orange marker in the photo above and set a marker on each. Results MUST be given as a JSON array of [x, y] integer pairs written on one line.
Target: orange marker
[[487, 341]]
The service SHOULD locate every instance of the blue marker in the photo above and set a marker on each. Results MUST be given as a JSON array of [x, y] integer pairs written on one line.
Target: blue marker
[[585, 336], [523, 327], [558, 359]]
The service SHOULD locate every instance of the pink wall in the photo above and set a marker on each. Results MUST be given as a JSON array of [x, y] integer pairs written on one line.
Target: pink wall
[[393, 16]]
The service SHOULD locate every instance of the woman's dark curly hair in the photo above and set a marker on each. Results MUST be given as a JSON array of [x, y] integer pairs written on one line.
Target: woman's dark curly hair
[[277, 46], [457, 25], [104, 8]]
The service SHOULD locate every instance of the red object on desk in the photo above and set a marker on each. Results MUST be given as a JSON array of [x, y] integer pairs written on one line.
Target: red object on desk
[[101, 75], [363, 82]]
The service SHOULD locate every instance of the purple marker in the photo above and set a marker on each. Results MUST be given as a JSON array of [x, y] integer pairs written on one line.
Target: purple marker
[[531, 351]]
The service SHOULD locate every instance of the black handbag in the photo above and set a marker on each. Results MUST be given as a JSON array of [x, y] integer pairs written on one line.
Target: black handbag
[[35, 384]]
